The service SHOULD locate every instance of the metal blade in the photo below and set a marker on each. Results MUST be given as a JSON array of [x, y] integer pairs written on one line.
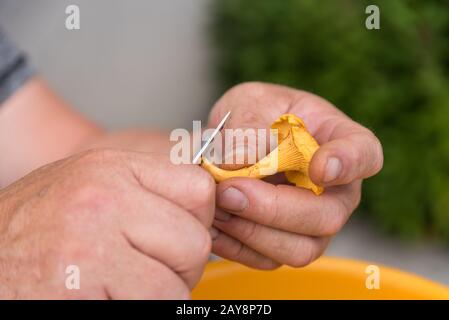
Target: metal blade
[[210, 139]]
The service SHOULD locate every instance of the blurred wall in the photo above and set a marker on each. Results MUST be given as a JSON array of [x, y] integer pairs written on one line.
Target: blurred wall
[[134, 62]]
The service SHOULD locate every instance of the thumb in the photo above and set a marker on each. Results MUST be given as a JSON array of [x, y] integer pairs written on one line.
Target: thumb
[[355, 156]]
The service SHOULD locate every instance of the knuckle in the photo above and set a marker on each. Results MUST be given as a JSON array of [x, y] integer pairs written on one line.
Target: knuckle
[[206, 184], [97, 160], [272, 206], [89, 198], [269, 264], [357, 198], [355, 156], [200, 250], [88, 194], [83, 254], [238, 251], [379, 157], [303, 255], [335, 221], [206, 247], [249, 230], [97, 155], [250, 88], [308, 99], [203, 190], [247, 118], [74, 250]]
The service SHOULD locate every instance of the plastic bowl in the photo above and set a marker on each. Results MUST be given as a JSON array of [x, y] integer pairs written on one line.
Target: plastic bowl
[[327, 278]]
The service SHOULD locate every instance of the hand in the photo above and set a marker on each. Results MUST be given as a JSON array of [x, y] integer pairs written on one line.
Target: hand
[[134, 224], [264, 225]]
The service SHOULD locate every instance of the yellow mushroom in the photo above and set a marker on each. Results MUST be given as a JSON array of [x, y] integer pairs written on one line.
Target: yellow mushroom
[[292, 156]]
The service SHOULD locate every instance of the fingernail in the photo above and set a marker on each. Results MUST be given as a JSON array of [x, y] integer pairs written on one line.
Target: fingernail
[[333, 169], [222, 215], [233, 199], [213, 233]]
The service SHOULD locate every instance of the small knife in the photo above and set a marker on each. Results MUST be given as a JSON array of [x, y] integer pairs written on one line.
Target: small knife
[[197, 158]]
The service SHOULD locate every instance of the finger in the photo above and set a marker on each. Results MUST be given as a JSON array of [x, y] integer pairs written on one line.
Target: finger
[[136, 276], [289, 208], [189, 186], [356, 152], [254, 106], [352, 152], [232, 249], [161, 230], [244, 140], [281, 246]]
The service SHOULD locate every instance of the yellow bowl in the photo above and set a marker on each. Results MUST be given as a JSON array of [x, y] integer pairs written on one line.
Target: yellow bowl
[[327, 278]]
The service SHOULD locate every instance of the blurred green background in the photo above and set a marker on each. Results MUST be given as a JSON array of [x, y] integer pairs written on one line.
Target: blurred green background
[[394, 80], [151, 64]]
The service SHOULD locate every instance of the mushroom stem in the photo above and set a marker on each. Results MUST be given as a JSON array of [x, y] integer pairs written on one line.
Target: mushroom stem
[[284, 158], [293, 155]]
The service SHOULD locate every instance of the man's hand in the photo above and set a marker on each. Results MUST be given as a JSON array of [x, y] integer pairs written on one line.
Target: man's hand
[[135, 225], [264, 225]]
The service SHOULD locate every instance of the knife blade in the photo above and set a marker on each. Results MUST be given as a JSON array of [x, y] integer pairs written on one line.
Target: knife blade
[[210, 139]]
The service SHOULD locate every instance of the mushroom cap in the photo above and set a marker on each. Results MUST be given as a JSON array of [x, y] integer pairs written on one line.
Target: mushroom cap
[[290, 124]]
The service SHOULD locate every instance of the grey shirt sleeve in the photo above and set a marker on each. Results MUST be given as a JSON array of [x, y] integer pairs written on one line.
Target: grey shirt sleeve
[[14, 68]]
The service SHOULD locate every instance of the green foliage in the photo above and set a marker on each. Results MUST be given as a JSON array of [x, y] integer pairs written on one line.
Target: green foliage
[[393, 80]]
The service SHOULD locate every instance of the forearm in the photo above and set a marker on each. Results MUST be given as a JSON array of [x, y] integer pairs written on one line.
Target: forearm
[[38, 127], [144, 140]]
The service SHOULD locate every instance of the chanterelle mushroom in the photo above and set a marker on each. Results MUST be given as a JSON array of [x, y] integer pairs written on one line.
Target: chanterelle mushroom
[[294, 152]]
